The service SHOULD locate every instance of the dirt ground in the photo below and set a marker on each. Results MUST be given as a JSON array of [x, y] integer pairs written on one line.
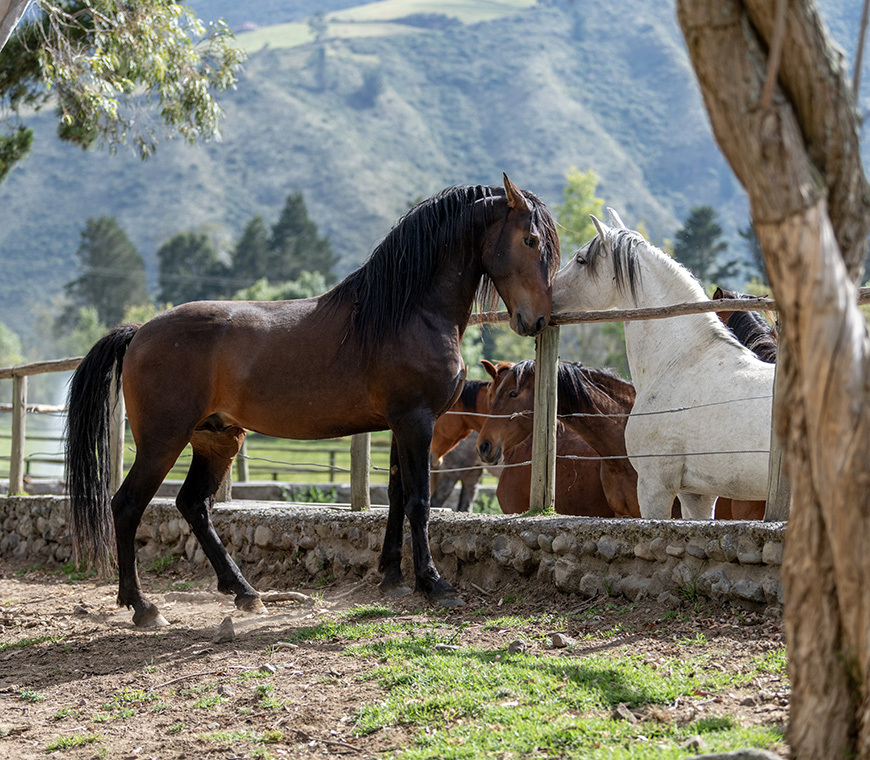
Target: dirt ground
[[72, 665]]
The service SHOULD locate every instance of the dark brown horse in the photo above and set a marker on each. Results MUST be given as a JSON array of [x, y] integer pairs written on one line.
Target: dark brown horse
[[378, 351]]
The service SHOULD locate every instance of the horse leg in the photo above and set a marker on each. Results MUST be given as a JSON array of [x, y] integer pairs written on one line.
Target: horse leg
[[393, 584], [412, 437], [213, 453], [655, 498], [697, 506], [128, 504]]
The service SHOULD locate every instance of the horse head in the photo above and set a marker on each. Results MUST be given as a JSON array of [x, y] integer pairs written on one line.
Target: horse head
[[521, 256], [511, 407]]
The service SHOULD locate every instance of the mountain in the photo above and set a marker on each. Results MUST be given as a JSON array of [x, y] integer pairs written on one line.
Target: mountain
[[396, 100]]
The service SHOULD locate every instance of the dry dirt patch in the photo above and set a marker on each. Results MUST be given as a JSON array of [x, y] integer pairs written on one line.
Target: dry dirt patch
[[72, 665]]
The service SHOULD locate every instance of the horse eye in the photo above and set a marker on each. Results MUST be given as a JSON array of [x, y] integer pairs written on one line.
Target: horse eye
[[581, 262], [531, 242], [513, 394]]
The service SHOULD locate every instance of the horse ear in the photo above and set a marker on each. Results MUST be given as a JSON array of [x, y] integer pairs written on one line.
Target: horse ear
[[717, 294], [615, 220], [490, 369], [515, 197], [602, 228]]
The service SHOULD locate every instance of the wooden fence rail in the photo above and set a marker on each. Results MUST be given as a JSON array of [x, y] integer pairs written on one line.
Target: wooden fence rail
[[542, 496]]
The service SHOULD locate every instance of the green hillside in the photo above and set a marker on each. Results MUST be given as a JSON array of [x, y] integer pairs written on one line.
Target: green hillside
[[397, 100]]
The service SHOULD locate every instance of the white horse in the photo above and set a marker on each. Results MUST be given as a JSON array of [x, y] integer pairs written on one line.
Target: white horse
[[701, 396]]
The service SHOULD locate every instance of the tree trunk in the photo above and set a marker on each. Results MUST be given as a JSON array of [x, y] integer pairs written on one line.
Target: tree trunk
[[11, 12], [798, 158]]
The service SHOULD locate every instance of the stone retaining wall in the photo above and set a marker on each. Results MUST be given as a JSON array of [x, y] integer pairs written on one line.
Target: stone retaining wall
[[722, 560]]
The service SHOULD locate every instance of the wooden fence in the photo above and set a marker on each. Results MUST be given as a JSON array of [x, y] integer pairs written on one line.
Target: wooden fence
[[542, 495]]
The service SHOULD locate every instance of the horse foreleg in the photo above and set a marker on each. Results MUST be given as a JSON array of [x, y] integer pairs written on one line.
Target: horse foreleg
[[411, 442], [212, 457], [655, 497], [393, 584], [696, 506]]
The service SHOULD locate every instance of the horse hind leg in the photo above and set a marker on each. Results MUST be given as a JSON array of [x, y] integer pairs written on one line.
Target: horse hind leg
[[128, 504], [697, 506], [214, 448]]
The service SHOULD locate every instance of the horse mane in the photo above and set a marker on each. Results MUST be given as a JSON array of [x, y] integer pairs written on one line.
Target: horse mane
[[401, 269], [574, 381], [626, 268], [470, 391], [753, 331]]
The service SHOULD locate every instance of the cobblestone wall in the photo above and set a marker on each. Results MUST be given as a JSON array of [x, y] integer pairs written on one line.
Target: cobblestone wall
[[737, 561]]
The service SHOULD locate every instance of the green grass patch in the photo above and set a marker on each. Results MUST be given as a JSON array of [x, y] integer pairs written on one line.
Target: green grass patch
[[72, 741], [32, 641]]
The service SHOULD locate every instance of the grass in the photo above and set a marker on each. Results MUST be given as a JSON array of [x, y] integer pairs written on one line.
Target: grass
[[480, 703], [71, 742]]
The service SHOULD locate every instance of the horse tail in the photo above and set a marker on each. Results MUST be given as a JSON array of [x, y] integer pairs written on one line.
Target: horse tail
[[87, 453]]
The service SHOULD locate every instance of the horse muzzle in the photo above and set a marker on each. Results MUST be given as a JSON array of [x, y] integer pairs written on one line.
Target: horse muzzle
[[528, 326], [488, 453]]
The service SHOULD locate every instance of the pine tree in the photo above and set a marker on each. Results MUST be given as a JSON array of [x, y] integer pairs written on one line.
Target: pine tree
[[699, 246], [189, 269], [251, 256], [113, 272], [295, 246]]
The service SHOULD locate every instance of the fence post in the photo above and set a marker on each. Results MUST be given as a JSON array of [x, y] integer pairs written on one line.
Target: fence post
[[542, 495], [778, 491], [242, 472], [19, 425], [360, 464], [116, 437]]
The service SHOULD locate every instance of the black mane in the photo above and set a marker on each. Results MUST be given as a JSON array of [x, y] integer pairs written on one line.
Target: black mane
[[402, 268], [470, 392], [753, 331], [573, 382]]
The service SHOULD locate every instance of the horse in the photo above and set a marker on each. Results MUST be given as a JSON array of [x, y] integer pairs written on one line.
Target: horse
[[585, 398], [579, 489], [749, 327], [378, 351], [700, 425]]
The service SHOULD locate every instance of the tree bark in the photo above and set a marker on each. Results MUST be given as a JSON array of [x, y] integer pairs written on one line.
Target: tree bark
[[799, 161], [11, 12]]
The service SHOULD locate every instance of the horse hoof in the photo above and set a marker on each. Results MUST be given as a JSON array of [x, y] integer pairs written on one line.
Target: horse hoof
[[151, 621], [251, 604], [395, 592], [449, 601]]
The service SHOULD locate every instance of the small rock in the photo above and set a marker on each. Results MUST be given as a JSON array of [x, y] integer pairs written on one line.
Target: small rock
[[81, 610], [446, 647], [621, 712], [226, 690], [517, 647], [748, 701], [225, 632], [560, 641], [268, 667], [286, 645], [694, 744]]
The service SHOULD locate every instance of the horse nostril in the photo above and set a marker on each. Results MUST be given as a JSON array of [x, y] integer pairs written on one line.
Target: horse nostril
[[540, 325], [483, 448]]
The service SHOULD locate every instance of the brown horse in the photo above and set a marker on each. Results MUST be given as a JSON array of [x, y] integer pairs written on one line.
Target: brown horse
[[584, 396], [579, 490], [378, 351]]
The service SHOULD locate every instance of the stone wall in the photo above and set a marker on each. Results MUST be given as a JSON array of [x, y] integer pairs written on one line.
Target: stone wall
[[725, 561]]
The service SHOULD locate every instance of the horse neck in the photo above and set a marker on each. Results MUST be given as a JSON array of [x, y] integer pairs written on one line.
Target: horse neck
[[604, 434], [651, 345]]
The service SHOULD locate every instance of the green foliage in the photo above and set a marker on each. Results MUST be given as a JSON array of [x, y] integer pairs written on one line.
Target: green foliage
[[13, 147], [112, 272], [575, 226], [699, 246], [308, 284], [754, 256], [10, 347], [251, 254], [295, 245], [190, 270], [104, 61]]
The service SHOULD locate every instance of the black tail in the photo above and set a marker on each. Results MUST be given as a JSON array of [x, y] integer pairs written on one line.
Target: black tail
[[87, 447]]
